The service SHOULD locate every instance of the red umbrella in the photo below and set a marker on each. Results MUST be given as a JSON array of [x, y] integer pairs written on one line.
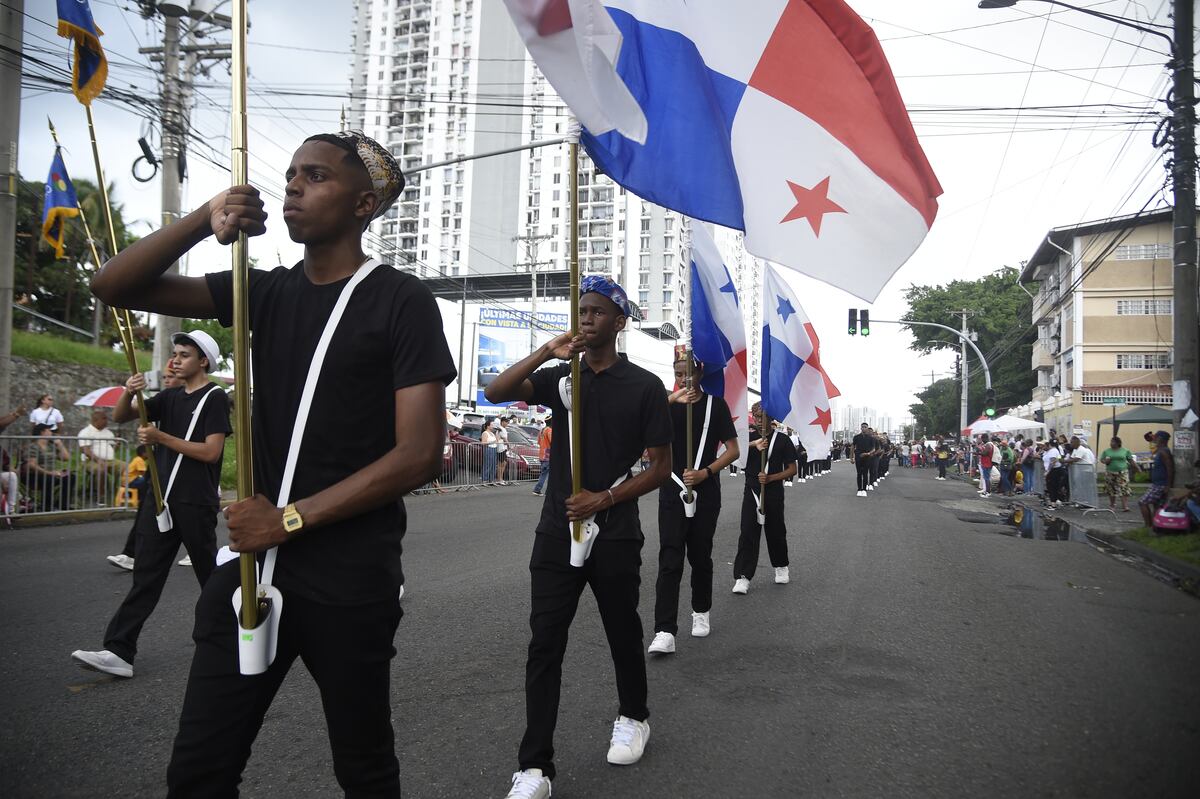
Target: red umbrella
[[102, 397]]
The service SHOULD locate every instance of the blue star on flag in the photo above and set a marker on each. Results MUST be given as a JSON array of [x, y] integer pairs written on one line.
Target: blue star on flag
[[785, 308]]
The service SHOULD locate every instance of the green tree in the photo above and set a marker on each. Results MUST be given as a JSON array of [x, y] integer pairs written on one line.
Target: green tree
[[1000, 316], [937, 412], [60, 288], [222, 335]]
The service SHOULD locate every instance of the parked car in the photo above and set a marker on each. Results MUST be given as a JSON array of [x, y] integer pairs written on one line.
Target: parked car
[[523, 462]]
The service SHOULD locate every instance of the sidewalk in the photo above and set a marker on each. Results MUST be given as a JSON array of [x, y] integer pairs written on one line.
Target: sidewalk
[[1106, 527]]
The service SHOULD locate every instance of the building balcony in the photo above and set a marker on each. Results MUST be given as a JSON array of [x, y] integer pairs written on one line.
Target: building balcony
[[1042, 359]]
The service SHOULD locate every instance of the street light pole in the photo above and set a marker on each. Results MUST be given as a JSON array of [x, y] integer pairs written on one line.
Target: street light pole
[[1181, 101]]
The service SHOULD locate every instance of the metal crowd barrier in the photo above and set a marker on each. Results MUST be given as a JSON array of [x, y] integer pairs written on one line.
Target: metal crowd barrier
[[53, 474], [1082, 480], [469, 466]]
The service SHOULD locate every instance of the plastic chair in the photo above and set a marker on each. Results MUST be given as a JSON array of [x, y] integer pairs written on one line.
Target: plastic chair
[[126, 496]]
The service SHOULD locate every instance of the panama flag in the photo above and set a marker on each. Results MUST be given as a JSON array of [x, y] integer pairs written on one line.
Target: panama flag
[[576, 45], [777, 117], [795, 387], [719, 333]]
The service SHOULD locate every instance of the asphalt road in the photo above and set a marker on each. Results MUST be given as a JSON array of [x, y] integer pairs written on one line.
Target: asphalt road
[[914, 654]]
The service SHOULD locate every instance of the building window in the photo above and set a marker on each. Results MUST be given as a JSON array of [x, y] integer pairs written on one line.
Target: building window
[[1144, 307], [643, 298], [1143, 360], [645, 225], [1141, 252]]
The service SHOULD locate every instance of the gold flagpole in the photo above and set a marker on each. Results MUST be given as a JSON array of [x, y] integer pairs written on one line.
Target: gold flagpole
[[687, 325], [241, 317], [121, 317], [576, 428], [764, 459]]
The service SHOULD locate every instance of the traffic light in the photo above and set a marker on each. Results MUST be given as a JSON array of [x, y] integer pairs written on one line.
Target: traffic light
[[864, 322], [989, 403], [852, 328]]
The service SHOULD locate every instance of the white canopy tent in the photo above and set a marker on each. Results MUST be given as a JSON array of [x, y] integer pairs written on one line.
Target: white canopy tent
[[1004, 424]]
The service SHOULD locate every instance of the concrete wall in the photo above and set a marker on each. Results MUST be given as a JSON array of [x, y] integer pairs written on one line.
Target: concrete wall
[[66, 382]]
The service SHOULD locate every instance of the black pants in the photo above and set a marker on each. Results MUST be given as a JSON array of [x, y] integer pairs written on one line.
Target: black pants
[[884, 463], [677, 536], [130, 548], [614, 573], [941, 464], [863, 466], [803, 468], [746, 561], [1056, 485], [195, 527], [347, 650]]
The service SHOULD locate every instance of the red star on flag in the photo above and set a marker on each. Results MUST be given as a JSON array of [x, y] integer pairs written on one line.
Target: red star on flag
[[824, 419], [812, 204]]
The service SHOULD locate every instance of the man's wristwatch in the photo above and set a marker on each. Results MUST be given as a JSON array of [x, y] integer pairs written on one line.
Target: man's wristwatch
[[292, 520]]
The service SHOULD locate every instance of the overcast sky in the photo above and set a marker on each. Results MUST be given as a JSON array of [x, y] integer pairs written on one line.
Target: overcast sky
[[1008, 176]]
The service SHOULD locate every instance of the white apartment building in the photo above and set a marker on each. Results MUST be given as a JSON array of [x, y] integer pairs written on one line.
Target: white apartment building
[[436, 79]]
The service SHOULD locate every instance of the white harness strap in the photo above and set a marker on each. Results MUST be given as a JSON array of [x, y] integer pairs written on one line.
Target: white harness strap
[[767, 464], [589, 528], [164, 519], [306, 398], [699, 449]]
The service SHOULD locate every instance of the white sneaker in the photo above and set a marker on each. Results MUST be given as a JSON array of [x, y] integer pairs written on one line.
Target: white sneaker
[[629, 739], [700, 625], [782, 576], [741, 585], [104, 661], [121, 561], [187, 561], [861, 494], [401, 592], [529, 784], [663, 644], [985, 494], [871, 487]]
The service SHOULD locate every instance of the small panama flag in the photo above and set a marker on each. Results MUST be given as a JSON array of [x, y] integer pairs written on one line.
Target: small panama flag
[[61, 204], [89, 67]]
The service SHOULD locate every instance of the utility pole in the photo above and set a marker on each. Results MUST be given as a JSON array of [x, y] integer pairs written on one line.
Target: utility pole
[[172, 127], [532, 243], [963, 416], [12, 22], [1185, 375], [175, 119]]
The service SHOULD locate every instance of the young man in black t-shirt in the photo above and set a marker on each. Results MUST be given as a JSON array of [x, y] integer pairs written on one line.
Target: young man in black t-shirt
[[677, 534], [861, 448], [193, 453], [771, 461], [339, 569], [624, 411]]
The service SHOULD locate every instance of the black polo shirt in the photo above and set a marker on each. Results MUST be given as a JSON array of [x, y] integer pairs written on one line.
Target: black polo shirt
[[863, 443], [783, 454], [624, 411], [720, 430]]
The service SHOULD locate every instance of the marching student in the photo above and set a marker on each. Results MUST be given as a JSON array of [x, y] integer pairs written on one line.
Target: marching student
[[861, 448], [339, 556], [712, 426], [189, 445], [625, 412], [772, 459]]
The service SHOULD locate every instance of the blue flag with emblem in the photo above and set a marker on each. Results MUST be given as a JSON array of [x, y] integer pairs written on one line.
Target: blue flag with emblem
[[89, 68], [60, 205]]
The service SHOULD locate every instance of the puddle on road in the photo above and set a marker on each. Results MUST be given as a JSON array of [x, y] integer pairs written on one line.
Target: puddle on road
[[1024, 523]]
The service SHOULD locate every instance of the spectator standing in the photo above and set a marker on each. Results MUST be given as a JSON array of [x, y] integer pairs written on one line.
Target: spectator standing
[[1117, 461], [502, 452], [1056, 473], [943, 459], [987, 455], [1006, 468], [545, 436], [490, 439], [8, 475], [1162, 477], [45, 413], [1025, 459]]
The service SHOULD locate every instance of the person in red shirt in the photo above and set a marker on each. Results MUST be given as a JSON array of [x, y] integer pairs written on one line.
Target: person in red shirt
[[543, 442]]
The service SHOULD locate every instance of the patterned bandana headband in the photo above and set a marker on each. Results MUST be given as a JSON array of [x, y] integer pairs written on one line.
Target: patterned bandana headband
[[599, 284], [386, 177]]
